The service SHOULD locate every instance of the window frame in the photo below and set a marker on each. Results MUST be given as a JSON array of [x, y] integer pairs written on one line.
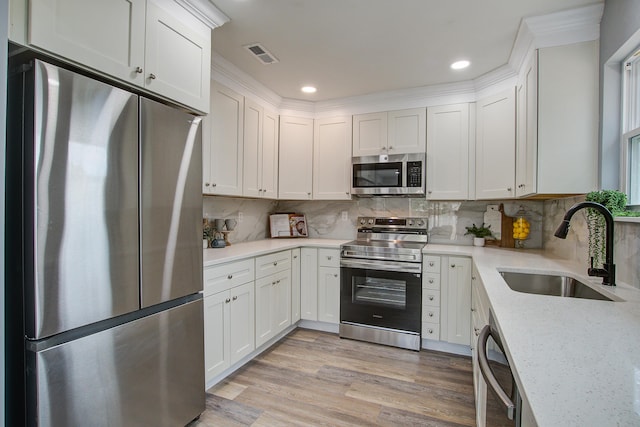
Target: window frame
[[630, 121]]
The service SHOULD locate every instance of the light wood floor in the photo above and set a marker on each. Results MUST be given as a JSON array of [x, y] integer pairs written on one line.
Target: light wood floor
[[313, 378]]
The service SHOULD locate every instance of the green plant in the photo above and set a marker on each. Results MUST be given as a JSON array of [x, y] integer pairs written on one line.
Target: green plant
[[481, 231], [616, 202], [207, 231]]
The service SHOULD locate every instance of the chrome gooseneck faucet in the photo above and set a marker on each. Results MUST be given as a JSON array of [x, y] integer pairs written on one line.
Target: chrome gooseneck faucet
[[608, 272]]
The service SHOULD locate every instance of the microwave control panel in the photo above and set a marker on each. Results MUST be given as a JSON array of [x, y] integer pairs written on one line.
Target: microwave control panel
[[414, 174]]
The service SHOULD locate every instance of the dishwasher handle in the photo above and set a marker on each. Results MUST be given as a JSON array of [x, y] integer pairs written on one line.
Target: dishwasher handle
[[488, 373]]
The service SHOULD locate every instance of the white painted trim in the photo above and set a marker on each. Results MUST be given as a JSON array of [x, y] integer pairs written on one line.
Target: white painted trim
[[447, 347], [319, 326], [205, 11], [566, 27]]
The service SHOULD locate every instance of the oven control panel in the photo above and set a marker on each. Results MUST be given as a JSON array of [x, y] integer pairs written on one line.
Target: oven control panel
[[392, 223]]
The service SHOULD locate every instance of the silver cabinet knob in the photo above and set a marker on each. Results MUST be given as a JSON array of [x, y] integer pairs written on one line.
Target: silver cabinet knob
[[429, 192], [473, 309], [383, 148], [430, 297], [230, 276], [509, 189], [431, 264], [206, 184], [227, 301], [295, 257], [430, 330], [329, 258], [453, 266], [430, 280], [152, 76], [521, 186], [430, 314], [213, 185], [275, 263], [235, 298], [335, 275], [390, 147], [139, 70], [473, 277]]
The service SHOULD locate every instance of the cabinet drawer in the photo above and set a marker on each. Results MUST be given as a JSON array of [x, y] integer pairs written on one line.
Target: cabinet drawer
[[222, 277], [431, 281], [273, 263], [329, 258], [430, 298], [431, 330], [431, 314], [431, 264]]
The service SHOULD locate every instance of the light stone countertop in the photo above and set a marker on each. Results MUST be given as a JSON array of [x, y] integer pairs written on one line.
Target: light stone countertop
[[576, 361], [214, 256]]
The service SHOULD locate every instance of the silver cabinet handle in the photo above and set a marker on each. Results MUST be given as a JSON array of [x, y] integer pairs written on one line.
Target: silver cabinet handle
[[509, 189], [521, 186], [430, 297], [453, 266], [206, 184], [430, 330], [295, 257], [227, 301], [488, 373], [235, 298], [329, 258], [273, 283], [430, 314], [139, 70], [152, 76], [278, 281], [430, 263], [213, 185], [230, 276], [275, 263], [430, 280]]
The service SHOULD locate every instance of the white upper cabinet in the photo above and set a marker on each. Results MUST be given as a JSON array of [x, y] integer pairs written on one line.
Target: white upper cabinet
[[156, 45], [406, 131], [558, 121], [448, 152], [332, 159], [496, 146], [369, 134], [222, 143], [296, 158], [260, 151], [394, 132]]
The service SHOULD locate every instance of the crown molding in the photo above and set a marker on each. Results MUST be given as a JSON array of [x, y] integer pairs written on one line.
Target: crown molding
[[205, 11], [226, 73]]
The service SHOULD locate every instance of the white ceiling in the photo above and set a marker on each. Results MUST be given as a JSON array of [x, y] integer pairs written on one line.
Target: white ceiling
[[356, 47]]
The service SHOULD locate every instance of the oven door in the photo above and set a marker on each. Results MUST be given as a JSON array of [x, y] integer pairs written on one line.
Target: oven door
[[381, 298], [377, 175]]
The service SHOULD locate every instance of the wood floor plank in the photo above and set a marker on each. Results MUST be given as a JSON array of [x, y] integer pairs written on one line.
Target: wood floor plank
[[313, 378]]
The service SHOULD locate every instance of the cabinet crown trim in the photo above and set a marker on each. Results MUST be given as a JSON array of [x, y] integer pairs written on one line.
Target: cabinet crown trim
[[205, 11]]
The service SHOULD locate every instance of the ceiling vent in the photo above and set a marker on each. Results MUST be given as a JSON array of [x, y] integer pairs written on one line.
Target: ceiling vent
[[261, 54]]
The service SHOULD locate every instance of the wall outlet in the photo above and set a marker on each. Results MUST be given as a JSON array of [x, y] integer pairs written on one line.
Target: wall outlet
[[345, 215], [240, 216]]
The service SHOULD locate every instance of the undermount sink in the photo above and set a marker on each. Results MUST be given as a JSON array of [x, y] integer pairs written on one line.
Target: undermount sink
[[546, 284]]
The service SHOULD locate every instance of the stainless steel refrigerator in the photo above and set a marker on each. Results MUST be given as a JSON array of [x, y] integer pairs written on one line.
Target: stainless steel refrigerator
[[104, 263]]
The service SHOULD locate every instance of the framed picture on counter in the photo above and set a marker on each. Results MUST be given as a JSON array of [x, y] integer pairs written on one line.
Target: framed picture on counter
[[288, 225]]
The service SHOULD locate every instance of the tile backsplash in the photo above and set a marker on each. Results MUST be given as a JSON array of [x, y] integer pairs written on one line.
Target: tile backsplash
[[447, 222]]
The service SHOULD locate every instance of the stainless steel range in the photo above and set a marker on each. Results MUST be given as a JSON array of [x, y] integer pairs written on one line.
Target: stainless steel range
[[381, 282]]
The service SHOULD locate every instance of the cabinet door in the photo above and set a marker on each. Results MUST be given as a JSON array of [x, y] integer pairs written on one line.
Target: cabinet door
[[264, 309], [216, 334], [456, 296], [270, 155], [223, 143], [242, 322], [184, 75], [295, 285], [252, 165], [296, 158], [309, 284], [107, 36], [281, 302], [527, 128], [329, 294], [448, 152], [332, 159], [407, 131], [495, 146], [369, 134]]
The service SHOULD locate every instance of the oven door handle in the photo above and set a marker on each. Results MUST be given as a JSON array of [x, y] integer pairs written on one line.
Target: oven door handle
[[488, 373], [365, 264]]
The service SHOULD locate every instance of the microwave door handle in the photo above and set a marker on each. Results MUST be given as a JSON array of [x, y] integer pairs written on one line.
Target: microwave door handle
[[488, 373]]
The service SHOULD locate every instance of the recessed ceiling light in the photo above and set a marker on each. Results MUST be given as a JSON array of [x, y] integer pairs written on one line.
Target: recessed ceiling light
[[459, 65], [309, 89]]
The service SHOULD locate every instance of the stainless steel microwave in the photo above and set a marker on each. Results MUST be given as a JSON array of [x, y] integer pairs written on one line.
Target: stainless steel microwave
[[389, 175]]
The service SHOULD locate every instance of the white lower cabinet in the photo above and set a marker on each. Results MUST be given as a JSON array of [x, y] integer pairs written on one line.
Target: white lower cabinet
[[456, 300], [309, 284], [228, 328], [320, 285], [273, 295], [295, 285]]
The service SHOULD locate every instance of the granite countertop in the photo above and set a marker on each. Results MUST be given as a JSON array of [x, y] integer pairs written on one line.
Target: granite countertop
[[213, 256], [576, 361]]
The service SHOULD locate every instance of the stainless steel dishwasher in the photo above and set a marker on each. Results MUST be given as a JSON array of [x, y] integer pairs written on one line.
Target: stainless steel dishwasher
[[503, 401]]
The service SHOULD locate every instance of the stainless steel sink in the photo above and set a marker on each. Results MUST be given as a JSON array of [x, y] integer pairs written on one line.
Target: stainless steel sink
[[545, 284]]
